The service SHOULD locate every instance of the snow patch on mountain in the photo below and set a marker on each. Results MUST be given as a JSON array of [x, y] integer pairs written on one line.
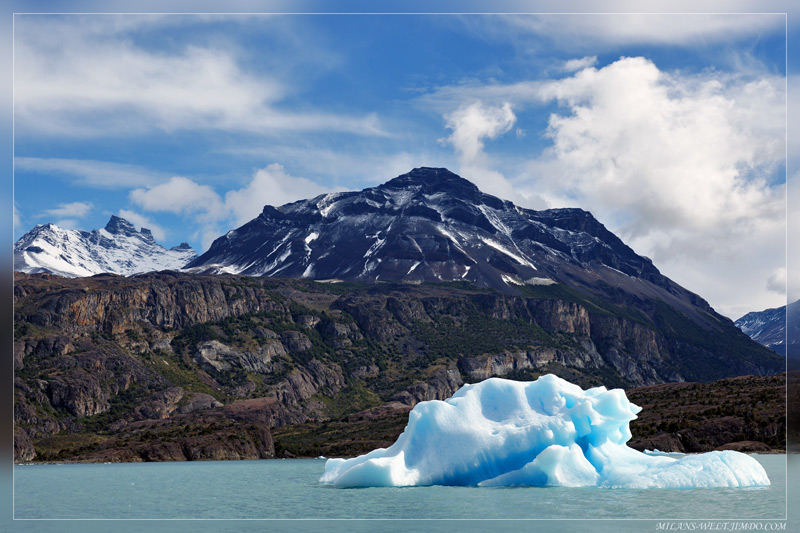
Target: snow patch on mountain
[[500, 248]]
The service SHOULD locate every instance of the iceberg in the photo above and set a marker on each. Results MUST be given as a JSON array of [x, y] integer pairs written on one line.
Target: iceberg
[[547, 432]]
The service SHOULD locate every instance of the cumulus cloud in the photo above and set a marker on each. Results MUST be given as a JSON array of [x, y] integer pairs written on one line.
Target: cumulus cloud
[[17, 217], [683, 167], [67, 215], [179, 195], [102, 174], [686, 168], [777, 281], [141, 221], [356, 167], [793, 240], [678, 158], [471, 125], [210, 212]]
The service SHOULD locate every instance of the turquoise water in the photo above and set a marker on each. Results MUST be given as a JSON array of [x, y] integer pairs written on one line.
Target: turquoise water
[[289, 489]]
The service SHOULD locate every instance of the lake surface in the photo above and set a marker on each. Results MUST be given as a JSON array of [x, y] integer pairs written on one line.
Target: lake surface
[[289, 489]]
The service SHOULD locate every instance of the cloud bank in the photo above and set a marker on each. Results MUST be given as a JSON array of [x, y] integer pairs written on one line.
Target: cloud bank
[[85, 77], [593, 31]]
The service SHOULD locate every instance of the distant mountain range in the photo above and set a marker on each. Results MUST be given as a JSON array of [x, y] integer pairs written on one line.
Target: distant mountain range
[[118, 249], [768, 327]]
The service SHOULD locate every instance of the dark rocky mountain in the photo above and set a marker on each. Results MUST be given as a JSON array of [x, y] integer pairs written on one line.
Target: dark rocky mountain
[[431, 225], [167, 365], [768, 327], [117, 249]]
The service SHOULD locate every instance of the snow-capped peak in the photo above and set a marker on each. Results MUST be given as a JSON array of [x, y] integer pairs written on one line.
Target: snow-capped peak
[[118, 248]]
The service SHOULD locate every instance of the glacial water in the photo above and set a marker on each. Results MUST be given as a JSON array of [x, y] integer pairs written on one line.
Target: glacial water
[[289, 489]]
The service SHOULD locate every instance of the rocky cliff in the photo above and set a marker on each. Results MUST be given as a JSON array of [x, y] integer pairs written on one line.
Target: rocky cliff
[[153, 366]]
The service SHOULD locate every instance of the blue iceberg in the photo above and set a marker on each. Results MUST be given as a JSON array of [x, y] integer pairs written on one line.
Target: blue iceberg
[[547, 432]]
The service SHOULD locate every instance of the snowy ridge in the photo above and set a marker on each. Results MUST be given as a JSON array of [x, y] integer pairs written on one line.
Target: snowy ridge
[[117, 249]]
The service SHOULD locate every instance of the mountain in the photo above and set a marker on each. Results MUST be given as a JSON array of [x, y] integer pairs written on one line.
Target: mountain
[[768, 327], [431, 225], [117, 249], [444, 285]]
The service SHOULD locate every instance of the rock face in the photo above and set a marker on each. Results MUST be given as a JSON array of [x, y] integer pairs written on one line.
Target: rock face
[[118, 249], [220, 357], [116, 368]]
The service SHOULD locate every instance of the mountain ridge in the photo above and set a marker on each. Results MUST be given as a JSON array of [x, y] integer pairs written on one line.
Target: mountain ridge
[[118, 248]]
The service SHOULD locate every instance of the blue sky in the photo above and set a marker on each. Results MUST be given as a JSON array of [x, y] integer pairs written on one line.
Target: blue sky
[[669, 128]]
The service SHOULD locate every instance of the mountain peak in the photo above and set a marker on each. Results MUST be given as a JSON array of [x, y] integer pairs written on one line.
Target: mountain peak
[[117, 225], [431, 180]]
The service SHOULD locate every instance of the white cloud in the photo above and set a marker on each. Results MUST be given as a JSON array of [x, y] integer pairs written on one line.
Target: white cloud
[[680, 167], [356, 167], [74, 210], [450, 98], [67, 215], [590, 31], [67, 223], [141, 221], [471, 125], [101, 174], [679, 159], [69, 81], [210, 212], [580, 64], [793, 241], [734, 280], [180, 195], [269, 186]]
